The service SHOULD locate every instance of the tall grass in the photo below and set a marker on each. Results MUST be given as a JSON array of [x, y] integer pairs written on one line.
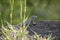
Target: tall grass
[[22, 31], [21, 34]]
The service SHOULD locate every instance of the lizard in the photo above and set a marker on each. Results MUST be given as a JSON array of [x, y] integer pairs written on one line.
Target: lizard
[[27, 22]]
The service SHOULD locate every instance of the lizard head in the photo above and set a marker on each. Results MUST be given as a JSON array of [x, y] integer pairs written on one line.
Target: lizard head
[[33, 17]]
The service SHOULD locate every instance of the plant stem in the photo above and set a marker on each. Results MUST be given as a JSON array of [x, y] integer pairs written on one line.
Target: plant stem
[[12, 5], [20, 10]]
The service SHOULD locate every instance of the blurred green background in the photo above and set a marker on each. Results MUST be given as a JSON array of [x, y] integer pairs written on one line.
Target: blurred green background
[[44, 9]]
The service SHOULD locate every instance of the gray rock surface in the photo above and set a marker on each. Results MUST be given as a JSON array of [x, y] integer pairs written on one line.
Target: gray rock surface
[[47, 27]]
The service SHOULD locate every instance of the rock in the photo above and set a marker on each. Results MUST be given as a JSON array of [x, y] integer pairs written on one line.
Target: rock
[[46, 28]]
